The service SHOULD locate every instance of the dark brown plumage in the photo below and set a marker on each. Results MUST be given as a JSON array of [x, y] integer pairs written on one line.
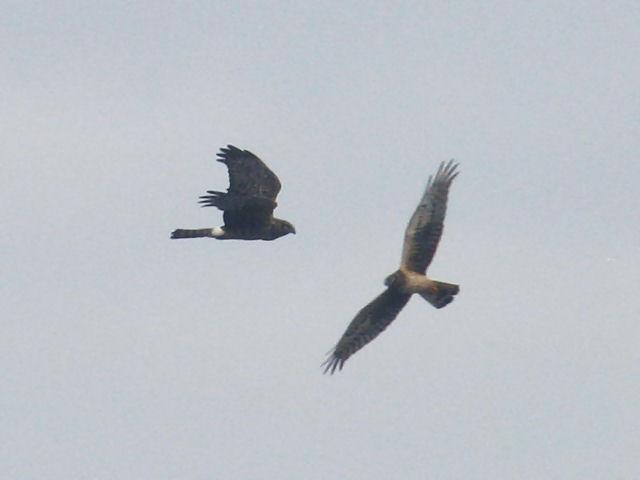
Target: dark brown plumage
[[248, 203], [421, 239]]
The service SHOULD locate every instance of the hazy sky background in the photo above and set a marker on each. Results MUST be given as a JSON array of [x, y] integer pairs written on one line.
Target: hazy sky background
[[126, 355]]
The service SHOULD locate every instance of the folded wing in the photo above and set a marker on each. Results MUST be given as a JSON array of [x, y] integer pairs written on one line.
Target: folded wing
[[425, 227]]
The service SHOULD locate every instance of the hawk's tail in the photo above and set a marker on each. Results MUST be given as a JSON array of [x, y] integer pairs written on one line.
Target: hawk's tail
[[200, 232], [442, 295]]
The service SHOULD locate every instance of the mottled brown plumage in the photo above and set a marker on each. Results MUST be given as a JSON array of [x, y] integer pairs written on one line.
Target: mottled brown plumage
[[421, 239], [248, 203]]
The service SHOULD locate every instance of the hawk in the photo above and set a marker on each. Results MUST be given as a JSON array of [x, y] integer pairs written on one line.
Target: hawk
[[248, 204], [420, 243]]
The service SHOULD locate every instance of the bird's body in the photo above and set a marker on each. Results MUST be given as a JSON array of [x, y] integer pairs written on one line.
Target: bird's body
[[413, 282], [421, 240], [248, 203]]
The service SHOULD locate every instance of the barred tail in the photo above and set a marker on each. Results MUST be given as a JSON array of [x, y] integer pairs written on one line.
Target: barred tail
[[200, 232], [443, 294]]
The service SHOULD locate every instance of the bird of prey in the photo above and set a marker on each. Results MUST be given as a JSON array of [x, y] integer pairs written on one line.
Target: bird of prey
[[248, 204], [420, 243]]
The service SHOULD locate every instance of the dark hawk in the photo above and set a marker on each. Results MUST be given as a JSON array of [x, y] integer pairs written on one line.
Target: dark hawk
[[248, 203]]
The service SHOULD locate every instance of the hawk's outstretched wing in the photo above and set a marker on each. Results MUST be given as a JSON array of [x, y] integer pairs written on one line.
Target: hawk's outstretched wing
[[425, 227], [366, 326], [253, 188], [248, 175]]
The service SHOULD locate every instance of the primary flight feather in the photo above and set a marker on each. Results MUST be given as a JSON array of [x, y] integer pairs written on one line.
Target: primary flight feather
[[420, 243]]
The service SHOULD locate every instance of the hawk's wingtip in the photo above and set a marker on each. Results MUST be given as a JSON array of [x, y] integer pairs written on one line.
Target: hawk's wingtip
[[331, 364]]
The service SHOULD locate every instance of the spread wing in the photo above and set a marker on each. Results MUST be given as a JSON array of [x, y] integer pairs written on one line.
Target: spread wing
[[425, 227], [248, 175], [366, 326], [253, 188]]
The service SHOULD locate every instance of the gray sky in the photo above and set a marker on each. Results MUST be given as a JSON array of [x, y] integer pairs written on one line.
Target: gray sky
[[126, 355]]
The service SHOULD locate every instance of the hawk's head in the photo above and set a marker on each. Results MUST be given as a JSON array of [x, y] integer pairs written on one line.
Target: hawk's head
[[280, 228], [395, 280]]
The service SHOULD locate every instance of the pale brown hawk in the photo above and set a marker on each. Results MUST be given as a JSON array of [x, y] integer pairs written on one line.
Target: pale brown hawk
[[420, 243]]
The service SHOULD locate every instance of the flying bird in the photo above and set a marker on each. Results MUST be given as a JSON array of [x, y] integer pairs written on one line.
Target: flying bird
[[420, 243], [248, 203]]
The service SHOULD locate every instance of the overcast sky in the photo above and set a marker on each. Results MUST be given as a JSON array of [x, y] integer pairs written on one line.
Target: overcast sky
[[127, 355]]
